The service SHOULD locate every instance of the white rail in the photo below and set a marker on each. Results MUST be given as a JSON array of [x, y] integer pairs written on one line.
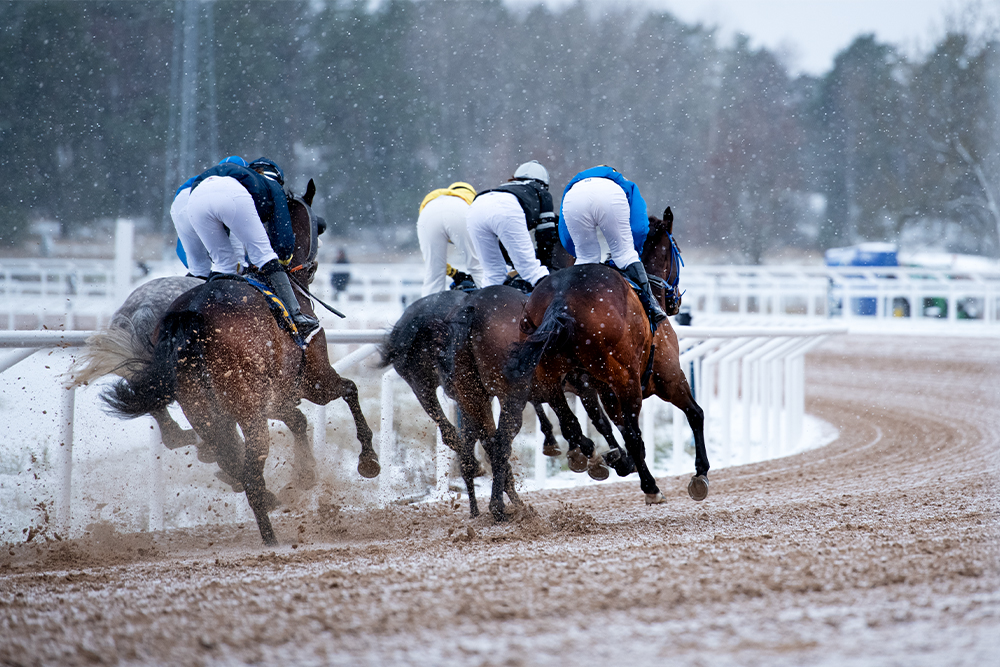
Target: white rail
[[72, 294]]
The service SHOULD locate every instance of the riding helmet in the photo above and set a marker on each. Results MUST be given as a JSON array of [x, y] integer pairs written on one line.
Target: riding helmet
[[268, 168], [234, 159], [532, 171], [462, 185]]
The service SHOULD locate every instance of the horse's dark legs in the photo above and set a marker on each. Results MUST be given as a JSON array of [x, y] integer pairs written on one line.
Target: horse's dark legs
[[174, 436], [304, 462], [549, 445], [323, 384], [477, 425], [258, 442], [368, 465], [631, 405], [698, 486], [499, 448], [581, 453]]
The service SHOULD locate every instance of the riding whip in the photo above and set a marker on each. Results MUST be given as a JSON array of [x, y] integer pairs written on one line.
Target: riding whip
[[313, 297]]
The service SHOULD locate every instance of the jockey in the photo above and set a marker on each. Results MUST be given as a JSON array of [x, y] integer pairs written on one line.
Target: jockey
[[505, 214], [442, 221], [602, 198], [190, 250], [250, 202]]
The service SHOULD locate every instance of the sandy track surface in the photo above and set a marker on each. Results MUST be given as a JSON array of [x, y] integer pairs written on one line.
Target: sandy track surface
[[879, 549]]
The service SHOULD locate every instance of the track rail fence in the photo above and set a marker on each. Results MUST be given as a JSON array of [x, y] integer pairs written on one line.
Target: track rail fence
[[749, 381]]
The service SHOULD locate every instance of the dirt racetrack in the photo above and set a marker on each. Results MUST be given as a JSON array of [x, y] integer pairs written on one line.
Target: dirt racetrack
[[879, 549]]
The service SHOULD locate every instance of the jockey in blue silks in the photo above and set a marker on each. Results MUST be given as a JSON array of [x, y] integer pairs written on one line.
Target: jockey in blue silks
[[248, 204], [601, 198]]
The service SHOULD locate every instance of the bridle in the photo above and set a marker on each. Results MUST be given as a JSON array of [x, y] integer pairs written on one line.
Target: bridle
[[672, 294]]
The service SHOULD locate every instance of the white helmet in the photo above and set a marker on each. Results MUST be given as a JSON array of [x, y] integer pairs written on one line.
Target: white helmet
[[532, 170]]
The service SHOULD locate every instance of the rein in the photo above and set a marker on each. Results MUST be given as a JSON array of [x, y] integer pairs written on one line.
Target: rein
[[670, 286]]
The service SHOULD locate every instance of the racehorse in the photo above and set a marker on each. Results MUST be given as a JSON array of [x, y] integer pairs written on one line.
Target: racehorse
[[460, 341], [587, 319], [221, 354]]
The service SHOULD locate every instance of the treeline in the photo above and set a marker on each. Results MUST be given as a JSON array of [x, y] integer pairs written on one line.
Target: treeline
[[382, 106]]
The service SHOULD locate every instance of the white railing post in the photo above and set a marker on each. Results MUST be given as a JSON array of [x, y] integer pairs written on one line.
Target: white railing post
[[124, 232], [156, 491], [64, 509], [387, 436]]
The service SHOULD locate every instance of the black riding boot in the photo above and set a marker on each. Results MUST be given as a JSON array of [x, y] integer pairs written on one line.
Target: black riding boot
[[636, 272], [282, 287]]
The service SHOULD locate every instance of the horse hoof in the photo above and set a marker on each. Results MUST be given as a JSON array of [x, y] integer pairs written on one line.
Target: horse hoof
[[655, 498], [226, 478], [206, 453], [369, 467], [597, 470], [698, 487], [551, 450], [305, 480], [270, 502], [577, 460]]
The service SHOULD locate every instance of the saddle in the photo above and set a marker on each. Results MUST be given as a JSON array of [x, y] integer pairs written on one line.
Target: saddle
[[643, 295], [276, 306]]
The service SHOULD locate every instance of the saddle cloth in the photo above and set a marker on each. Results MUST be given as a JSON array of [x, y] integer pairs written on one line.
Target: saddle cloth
[[277, 307]]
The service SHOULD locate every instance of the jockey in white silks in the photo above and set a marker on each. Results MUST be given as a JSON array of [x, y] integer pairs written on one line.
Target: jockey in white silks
[[506, 214], [442, 221]]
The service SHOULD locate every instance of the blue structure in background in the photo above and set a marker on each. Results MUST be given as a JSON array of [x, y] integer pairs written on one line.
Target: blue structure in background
[[863, 254]]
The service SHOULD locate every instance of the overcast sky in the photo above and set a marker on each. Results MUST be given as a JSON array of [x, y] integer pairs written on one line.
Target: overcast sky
[[809, 33]]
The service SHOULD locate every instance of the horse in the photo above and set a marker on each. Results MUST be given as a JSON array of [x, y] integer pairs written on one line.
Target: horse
[[221, 354], [459, 341], [587, 319]]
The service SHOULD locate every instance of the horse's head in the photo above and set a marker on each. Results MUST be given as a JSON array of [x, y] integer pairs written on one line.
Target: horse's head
[[307, 228], [662, 259]]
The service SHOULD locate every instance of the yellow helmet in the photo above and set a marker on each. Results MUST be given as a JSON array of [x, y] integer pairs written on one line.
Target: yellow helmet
[[462, 185]]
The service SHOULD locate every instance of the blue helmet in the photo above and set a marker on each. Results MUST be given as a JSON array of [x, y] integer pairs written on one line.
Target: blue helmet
[[268, 168], [234, 159]]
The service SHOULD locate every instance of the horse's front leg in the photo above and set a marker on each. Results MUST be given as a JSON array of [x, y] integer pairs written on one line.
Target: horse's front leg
[[631, 403], [304, 461], [322, 384], [262, 501], [698, 486], [368, 465]]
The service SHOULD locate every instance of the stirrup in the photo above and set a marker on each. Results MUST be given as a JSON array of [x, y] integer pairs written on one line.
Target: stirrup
[[305, 324]]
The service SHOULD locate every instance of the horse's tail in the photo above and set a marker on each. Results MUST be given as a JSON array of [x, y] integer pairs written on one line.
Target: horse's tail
[[555, 330], [152, 384], [120, 348]]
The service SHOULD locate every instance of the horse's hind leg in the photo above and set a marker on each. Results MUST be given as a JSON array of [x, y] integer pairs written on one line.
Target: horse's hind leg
[[549, 445], [476, 419], [581, 454], [305, 461], [258, 442], [174, 436], [499, 447]]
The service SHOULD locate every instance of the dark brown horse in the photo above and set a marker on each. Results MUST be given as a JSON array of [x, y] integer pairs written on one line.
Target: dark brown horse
[[587, 320], [460, 342], [221, 354]]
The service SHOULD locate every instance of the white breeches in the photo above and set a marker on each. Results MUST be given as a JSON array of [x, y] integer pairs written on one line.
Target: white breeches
[[443, 221], [220, 202], [599, 203], [495, 218]]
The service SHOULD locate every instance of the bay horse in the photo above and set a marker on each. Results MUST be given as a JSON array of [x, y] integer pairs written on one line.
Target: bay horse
[[460, 342], [587, 319], [224, 358]]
